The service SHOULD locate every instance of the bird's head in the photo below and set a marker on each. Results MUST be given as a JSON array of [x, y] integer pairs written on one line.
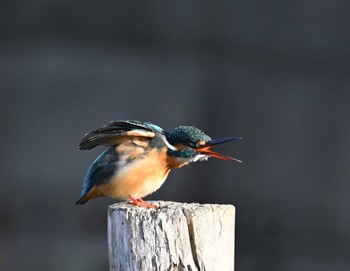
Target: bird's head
[[192, 144]]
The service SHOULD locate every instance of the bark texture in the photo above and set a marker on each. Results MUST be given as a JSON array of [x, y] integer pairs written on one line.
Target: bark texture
[[175, 236]]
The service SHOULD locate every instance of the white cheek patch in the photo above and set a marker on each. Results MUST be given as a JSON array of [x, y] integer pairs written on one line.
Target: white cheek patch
[[169, 146]]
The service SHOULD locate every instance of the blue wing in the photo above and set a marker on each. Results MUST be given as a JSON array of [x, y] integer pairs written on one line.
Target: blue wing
[[101, 170], [116, 129]]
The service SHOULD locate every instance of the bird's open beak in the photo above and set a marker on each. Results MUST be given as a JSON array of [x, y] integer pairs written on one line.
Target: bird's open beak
[[206, 148]]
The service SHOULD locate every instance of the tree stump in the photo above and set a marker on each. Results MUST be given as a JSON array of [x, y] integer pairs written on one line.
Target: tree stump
[[174, 236]]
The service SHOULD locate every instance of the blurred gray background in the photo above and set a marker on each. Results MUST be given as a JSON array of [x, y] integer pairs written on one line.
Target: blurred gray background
[[274, 72]]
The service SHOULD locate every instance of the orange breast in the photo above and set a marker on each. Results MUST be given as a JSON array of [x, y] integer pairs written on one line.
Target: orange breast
[[140, 178]]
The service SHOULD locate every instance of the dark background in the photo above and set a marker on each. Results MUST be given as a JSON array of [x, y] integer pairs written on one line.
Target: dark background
[[274, 72]]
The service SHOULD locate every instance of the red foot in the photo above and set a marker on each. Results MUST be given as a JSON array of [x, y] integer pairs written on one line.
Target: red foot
[[140, 202]]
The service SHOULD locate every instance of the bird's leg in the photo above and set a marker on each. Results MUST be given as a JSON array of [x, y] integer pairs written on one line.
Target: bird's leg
[[140, 202]]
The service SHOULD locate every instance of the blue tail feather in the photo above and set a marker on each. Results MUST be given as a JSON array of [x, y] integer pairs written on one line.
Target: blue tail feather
[[101, 171]]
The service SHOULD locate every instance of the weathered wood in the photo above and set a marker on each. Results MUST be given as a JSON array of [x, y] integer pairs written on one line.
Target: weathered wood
[[175, 236]]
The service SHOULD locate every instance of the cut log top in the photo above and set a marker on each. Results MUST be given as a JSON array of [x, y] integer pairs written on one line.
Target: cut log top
[[175, 236]]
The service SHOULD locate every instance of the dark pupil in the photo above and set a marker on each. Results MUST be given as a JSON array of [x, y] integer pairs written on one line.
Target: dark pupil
[[191, 144]]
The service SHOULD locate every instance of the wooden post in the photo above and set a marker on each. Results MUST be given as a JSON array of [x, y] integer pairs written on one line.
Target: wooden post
[[175, 236]]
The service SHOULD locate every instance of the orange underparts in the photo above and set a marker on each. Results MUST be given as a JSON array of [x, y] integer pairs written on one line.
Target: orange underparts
[[140, 202]]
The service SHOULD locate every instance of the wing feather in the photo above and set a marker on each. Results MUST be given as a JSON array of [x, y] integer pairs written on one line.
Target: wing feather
[[114, 130]]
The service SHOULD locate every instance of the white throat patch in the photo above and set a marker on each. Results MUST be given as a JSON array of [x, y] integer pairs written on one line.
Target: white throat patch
[[199, 157]]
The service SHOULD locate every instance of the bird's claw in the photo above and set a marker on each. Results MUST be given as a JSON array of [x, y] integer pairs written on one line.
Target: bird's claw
[[141, 202]]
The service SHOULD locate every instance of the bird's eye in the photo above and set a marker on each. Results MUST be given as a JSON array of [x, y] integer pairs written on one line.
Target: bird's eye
[[191, 144]]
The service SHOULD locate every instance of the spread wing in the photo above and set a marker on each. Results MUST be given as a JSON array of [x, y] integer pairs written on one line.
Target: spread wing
[[111, 133]]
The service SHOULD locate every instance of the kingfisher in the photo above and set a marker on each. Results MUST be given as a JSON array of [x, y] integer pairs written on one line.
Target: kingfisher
[[139, 157]]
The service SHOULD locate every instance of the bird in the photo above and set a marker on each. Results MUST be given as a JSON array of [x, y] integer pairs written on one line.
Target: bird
[[139, 157]]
